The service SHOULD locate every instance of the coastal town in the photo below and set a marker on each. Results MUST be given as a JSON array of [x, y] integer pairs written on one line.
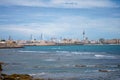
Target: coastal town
[[10, 43]]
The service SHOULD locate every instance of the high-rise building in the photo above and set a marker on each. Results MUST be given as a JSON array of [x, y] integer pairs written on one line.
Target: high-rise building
[[83, 35]]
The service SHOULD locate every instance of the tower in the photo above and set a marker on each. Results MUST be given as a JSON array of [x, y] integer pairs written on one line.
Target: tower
[[9, 38], [83, 35], [31, 37], [41, 36]]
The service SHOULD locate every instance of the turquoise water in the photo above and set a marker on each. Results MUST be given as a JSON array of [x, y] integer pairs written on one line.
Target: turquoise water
[[76, 62]]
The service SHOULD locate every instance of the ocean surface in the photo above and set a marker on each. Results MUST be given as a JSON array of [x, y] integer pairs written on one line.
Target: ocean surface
[[75, 62]]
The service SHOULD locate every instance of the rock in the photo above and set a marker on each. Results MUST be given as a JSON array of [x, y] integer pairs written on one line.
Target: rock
[[118, 65], [1, 66], [17, 77], [1, 62], [103, 70], [80, 66]]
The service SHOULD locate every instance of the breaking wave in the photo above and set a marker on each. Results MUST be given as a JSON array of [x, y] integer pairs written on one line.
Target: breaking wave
[[33, 51], [27, 51], [104, 56]]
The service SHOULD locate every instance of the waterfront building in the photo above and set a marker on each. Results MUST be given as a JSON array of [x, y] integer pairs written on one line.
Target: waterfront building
[[112, 41], [9, 44]]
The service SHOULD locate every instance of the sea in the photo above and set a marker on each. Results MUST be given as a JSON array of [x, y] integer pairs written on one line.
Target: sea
[[69, 62]]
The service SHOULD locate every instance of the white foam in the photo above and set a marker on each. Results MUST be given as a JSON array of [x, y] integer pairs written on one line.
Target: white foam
[[33, 51], [82, 53], [38, 74], [91, 71], [26, 51], [104, 56], [56, 48], [62, 51], [76, 53], [50, 60], [97, 55], [43, 52]]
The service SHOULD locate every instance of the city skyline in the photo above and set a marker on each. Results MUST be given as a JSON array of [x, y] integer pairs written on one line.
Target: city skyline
[[60, 18]]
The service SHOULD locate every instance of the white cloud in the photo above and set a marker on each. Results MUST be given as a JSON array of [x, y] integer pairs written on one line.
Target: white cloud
[[66, 26], [84, 3], [48, 29], [80, 22], [61, 3], [21, 2]]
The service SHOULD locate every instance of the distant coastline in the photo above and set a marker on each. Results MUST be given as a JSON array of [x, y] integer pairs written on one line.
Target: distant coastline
[[9, 44], [5, 44]]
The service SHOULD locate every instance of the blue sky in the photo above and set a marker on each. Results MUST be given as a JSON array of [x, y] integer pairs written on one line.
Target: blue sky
[[60, 18]]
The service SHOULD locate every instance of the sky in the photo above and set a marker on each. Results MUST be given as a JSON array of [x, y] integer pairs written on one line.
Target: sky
[[59, 19]]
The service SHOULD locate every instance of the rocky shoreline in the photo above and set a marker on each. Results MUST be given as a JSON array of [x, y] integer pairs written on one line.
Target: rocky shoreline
[[29, 77], [16, 76]]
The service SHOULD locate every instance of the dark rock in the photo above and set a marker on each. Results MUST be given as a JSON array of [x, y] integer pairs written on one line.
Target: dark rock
[[50, 79], [80, 66], [1, 62], [118, 65], [1, 66], [3, 74], [17, 77], [103, 70]]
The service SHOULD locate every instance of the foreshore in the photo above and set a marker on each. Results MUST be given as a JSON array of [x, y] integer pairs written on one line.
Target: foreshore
[[30, 77], [16, 76]]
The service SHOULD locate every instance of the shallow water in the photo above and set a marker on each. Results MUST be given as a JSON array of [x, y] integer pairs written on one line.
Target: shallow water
[[78, 62]]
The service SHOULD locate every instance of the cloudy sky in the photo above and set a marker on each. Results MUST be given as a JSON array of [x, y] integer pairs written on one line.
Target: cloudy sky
[[60, 18]]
